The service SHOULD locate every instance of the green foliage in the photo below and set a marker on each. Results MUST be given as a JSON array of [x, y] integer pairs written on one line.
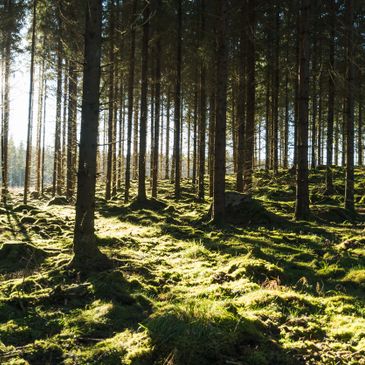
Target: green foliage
[[182, 291]]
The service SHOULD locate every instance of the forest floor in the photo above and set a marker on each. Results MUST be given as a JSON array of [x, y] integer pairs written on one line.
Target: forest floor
[[183, 291]]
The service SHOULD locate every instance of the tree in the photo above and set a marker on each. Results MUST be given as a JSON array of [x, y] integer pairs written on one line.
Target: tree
[[30, 108], [144, 108], [349, 186], [251, 90], [131, 66], [302, 192], [218, 211], [86, 253]]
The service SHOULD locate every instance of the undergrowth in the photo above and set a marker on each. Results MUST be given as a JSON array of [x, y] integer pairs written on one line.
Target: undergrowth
[[183, 291]]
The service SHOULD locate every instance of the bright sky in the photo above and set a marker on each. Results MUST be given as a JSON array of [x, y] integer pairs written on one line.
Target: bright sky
[[19, 100]]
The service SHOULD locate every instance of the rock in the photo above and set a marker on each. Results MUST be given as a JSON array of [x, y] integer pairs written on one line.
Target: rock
[[24, 207], [20, 255], [58, 200], [242, 209], [27, 220]]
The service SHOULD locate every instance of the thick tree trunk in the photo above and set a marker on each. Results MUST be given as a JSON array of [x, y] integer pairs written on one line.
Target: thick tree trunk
[[86, 254], [302, 193], [218, 210]]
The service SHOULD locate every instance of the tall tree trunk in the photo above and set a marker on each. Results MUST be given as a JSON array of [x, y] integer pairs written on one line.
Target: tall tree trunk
[[111, 121], [212, 102], [6, 112], [331, 99], [275, 90], [86, 253], [167, 152], [57, 165], [144, 110], [28, 156], [177, 101], [202, 106], [302, 194], [157, 108], [71, 130], [131, 68], [39, 128], [241, 100], [359, 134], [349, 186], [250, 127], [218, 209]]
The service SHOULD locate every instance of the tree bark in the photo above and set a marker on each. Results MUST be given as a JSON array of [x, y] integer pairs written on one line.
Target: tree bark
[[86, 252], [302, 193]]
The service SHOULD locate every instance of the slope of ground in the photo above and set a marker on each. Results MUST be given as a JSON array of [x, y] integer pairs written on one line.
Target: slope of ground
[[185, 292]]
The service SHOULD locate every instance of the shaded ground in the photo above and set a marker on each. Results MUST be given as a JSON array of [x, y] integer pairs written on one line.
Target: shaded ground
[[184, 292]]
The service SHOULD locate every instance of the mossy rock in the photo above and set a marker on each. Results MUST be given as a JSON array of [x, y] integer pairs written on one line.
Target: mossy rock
[[20, 255], [336, 214], [58, 200], [241, 209], [24, 207], [28, 220]]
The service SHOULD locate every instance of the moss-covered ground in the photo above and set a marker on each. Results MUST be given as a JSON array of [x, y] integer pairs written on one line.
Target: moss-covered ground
[[183, 291]]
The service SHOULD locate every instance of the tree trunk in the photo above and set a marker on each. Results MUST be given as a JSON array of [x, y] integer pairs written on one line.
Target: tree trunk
[[250, 127], [144, 109], [331, 99], [218, 210], [177, 101], [72, 130], [86, 253], [30, 108], [157, 108], [349, 186], [241, 100], [302, 194], [131, 69]]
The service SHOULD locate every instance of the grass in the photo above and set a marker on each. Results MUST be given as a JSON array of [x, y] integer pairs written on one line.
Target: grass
[[182, 291]]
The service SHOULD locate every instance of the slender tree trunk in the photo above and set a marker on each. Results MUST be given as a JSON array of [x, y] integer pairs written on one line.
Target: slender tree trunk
[[241, 100], [218, 209], [157, 110], [302, 194], [57, 165], [44, 136], [177, 101], [202, 107], [212, 103], [349, 186], [30, 108], [6, 113], [195, 136], [359, 134], [86, 253], [276, 90], [111, 121], [39, 129], [130, 104], [71, 130], [167, 152], [144, 110], [331, 99], [250, 127]]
